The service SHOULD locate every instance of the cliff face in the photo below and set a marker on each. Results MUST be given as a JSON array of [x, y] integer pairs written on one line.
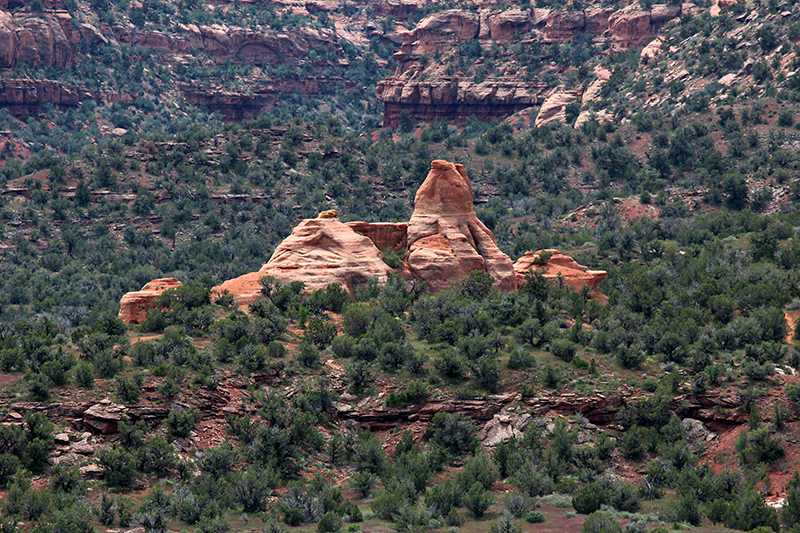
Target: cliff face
[[262, 96], [24, 97], [53, 38], [453, 97], [427, 92]]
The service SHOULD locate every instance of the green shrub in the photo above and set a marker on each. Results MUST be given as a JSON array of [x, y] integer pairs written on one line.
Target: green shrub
[[453, 432], [119, 467], [478, 500], [589, 498], [535, 517], [84, 375], [601, 522], [181, 421], [329, 523], [307, 355], [563, 349]]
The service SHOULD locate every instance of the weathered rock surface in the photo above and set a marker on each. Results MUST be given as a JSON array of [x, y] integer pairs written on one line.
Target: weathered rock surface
[[503, 26], [504, 426], [560, 267], [393, 235], [34, 38], [25, 96], [133, 306], [445, 238], [437, 32], [452, 97], [554, 107], [104, 418], [318, 252], [261, 95]]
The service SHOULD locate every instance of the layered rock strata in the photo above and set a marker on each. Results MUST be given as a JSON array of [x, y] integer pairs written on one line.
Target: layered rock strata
[[25, 96], [453, 97], [133, 306], [425, 94]]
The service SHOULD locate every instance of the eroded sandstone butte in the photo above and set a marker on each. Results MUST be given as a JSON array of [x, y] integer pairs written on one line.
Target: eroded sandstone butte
[[445, 238], [319, 251], [444, 242], [133, 306], [560, 266]]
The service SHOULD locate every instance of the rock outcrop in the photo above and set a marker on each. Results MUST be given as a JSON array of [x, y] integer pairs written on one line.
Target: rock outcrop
[[34, 38], [445, 238], [453, 97], [261, 95], [319, 251], [25, 96], [559, 267], [133, 306], [427, 93], [391, 235], [554, 107]]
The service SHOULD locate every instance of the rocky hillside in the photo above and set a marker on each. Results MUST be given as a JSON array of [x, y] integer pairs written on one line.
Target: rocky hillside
[[466, 370]]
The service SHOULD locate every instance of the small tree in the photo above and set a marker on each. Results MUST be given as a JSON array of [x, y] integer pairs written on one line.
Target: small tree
[[506, 524], [478, 500], [363, 483], [601, 522], [329, 523]]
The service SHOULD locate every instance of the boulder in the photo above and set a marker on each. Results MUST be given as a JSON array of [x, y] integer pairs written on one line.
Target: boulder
[[133, 306], [560, 267], [319, 251], [554, 107], [663, 12], [445, 238], [103, 418]]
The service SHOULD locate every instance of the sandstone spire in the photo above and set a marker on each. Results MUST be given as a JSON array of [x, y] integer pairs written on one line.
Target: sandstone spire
[[446, 240]]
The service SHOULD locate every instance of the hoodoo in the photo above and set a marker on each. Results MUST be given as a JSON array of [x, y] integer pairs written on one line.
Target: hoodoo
[[445, 238]]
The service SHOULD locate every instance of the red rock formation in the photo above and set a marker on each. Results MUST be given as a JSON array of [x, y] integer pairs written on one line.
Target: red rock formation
[[261, 96], [456, 98], [446, 240], [133, 306], [25, 96], [560, 267], [318, 252], [437, 32], [503, 26], [554, 107], [629, 26], [384, 235], [35, 38], [563, 24]]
